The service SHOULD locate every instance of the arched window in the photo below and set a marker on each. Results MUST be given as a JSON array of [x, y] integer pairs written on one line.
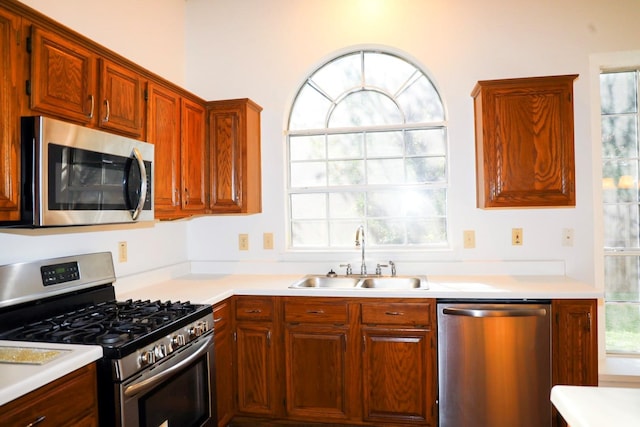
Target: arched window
[[367, 145]]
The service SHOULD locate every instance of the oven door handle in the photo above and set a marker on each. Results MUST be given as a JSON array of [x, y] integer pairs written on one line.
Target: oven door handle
[[151, 382]]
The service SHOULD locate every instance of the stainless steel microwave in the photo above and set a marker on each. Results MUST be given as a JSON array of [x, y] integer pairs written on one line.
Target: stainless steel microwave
[[73, 175]]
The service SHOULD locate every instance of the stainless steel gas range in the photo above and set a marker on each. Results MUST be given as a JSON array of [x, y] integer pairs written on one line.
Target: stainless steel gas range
[[158, 366]]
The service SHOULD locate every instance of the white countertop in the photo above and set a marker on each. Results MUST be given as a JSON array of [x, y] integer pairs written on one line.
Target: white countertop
[[212, 288], [18, 379], [583, 406]]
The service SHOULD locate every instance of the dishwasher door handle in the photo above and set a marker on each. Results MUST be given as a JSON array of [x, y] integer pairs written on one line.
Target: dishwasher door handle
[[495, 312]]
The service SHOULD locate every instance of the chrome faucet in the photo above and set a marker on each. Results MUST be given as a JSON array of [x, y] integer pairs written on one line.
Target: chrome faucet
[[360, 243]]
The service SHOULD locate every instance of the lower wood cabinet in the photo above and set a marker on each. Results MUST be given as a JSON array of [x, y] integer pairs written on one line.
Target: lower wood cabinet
[[399, 365], [318, 358], [69, 401], [255, 354], [574, 344], [225, 397], [361, 361]]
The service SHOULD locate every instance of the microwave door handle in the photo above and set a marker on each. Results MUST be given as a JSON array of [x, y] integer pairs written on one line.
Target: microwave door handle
[[143, 184]]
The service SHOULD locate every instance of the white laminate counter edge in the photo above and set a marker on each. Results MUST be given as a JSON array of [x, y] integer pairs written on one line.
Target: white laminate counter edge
[[583, 406], [16, 380]]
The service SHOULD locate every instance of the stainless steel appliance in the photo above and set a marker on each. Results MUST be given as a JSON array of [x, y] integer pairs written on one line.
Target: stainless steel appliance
[[494, 364], [158, 365], [73, 175]]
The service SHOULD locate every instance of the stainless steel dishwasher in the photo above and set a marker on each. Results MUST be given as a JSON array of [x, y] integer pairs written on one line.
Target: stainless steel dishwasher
[[494, 363]]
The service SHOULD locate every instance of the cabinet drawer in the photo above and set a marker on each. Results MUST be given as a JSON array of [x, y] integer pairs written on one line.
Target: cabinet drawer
[[254, 308], [310, 310], [397, 313], [70, 400]]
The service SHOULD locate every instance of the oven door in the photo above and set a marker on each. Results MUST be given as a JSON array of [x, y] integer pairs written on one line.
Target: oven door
[[179, 391]]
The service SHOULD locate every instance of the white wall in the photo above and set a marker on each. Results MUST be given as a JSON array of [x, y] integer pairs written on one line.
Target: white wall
[[153, 37], [148, 32], [264, 49]]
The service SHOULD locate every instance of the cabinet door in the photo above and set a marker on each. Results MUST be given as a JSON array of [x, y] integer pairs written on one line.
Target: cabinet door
[[63, 79], [121, 99], [193, 157], [524, 142], [256, 368], [316, 372], [225, 389], [10, 62], [163, 122], [234, 143], [575, 342], [398, 375]]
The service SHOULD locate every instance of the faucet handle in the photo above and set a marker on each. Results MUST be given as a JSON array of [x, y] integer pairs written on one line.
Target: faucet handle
[[379, 268], [393, 268], [349, 270]]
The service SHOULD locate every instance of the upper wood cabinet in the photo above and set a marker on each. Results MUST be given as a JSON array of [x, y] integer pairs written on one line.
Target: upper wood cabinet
[[121, 99], [10, 61], [71, 82], [176, 126], [524, 142], [193, 155], [163, 130], [234, 147]]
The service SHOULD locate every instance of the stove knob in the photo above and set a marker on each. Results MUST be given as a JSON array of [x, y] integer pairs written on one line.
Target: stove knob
[[177, 340], [195, 331], [147, 358], [160, 351]]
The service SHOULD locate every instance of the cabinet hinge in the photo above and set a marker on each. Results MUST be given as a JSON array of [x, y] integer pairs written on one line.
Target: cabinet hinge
[[28, 45], [27, 87], [235, 336], [146, 95]]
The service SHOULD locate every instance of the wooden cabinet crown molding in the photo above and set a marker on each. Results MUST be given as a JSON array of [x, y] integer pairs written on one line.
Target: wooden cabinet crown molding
[[524, 142]]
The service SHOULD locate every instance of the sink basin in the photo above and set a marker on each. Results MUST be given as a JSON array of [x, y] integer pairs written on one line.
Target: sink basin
[[362, 282], [397, 282], [326, 282]]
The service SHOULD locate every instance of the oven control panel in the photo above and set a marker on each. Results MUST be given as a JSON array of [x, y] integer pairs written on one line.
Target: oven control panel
[[59, 273]]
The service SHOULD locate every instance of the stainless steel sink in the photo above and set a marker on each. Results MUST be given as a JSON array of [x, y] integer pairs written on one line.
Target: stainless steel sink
[[326, 282], [397, 282], [362, 282]]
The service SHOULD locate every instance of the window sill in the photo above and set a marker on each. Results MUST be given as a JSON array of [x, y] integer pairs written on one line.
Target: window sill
[[619, 371]]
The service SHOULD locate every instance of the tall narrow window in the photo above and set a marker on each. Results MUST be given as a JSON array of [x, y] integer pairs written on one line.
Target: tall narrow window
[[367, 145], [621, 214]]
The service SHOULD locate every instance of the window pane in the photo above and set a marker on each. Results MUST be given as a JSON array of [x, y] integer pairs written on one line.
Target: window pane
[[339, 76], [407, 203], [309, 234], [385, 171], [622, 180], [308, 174], [346, 205], [622, 327], [421, 102], [619, 136], [425, 169], [386, 72], [618, 92], [429, 142], [307, 147], [621, 278], [308, 206], [386, 232], [309, 110], [346, 146], [365, 108], [348, 172], [424, 232], [385, 144], [343, 233], [621, 226]]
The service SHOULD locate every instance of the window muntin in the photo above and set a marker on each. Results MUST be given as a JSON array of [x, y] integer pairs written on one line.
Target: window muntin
[[367, 144], [621, 206]]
